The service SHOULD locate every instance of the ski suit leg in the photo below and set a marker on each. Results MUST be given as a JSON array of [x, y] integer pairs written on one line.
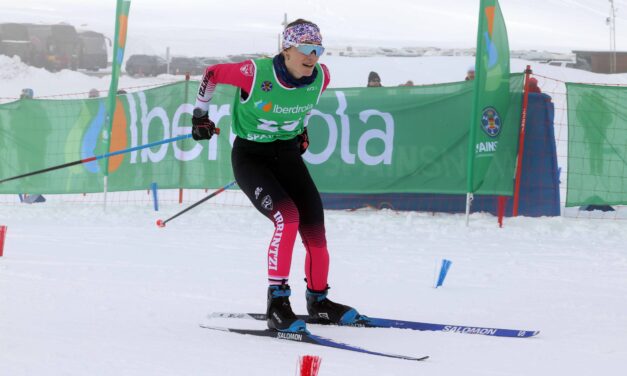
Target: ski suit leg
[[254, 170], [312, 231], [277, 182]]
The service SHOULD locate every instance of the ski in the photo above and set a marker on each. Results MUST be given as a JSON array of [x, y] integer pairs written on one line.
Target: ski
[[374, 322], [309, 338]]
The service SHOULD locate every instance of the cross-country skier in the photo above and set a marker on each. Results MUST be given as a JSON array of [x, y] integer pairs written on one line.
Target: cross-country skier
[[275, 96]]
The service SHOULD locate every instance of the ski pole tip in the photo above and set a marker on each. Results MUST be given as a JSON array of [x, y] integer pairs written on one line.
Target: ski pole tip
[[160, 223]]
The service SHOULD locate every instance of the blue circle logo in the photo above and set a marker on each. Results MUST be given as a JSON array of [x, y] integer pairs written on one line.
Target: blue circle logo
[[491, 122], [266, 86]]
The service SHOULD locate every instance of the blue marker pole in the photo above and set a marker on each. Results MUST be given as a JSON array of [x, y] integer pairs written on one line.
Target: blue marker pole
[[446, 264], [155, 200]]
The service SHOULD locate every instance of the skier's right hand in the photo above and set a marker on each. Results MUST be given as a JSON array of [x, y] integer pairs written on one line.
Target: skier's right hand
[[202, 127]]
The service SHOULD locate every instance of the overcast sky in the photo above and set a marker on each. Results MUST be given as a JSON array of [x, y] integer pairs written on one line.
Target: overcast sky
[[216, 28]]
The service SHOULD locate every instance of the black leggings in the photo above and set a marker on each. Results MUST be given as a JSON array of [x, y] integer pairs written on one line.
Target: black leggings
[[277, 182]]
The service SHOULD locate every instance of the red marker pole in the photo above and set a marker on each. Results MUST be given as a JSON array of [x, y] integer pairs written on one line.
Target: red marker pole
[[3, 232]]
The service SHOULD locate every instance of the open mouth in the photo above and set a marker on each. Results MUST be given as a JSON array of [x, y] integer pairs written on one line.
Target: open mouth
[[309, 66]]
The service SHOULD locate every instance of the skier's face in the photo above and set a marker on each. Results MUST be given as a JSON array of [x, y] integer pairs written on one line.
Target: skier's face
[[300, 64]]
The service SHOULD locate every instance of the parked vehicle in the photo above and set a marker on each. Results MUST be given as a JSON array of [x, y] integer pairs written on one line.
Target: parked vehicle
[[39, 35], [63, 47], [54, 47], [14, 41], [207, 61], [182, 65], [145, 65], [92, 52], [242, 57], [580, 63], [560, 63]]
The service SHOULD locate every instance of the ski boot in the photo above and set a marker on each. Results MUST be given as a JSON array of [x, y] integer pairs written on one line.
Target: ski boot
[[324, 311], [279, 314]]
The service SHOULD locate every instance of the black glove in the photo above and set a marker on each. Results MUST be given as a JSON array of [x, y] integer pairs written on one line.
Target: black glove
[[202, 127], [303, 141]]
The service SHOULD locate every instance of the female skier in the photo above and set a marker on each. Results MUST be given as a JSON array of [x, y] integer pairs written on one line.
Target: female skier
[[275, 96]]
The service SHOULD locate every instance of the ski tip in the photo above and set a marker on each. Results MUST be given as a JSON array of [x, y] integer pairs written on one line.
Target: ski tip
[[222, 329], [523, 334], [418, 359], [230, 315]]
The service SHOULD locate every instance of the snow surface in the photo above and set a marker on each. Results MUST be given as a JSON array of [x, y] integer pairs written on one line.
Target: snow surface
[[87, 292], [90, 292]]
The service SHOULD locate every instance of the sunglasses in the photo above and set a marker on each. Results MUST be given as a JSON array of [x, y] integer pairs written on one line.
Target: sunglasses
[[307, 49]]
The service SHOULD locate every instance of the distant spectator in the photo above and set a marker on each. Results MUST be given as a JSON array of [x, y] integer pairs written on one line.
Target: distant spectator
[[408, 83], [533, 85], [470, 73], [94, 93], [374, 80], [27, 94], [591, 207], [121, 92]]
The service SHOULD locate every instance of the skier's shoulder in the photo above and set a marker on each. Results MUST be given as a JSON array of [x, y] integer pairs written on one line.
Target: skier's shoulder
[[327, 76], [244, 68]]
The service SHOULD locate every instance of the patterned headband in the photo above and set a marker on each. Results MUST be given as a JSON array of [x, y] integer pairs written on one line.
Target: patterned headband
[[301, 33]]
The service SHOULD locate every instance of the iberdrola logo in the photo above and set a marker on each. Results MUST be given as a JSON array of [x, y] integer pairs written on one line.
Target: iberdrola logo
[[265, 106], [92, 138]]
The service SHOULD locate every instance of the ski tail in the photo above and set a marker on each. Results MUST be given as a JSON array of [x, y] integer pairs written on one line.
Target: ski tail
[[312, 339]]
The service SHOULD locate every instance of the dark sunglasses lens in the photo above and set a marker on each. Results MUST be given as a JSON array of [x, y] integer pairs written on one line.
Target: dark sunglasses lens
[[307, 49]]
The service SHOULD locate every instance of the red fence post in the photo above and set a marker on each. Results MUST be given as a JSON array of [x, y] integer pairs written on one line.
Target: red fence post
[[521, 142]]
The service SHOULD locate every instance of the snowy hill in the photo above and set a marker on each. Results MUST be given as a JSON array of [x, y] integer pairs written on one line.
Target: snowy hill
[[345, 72]]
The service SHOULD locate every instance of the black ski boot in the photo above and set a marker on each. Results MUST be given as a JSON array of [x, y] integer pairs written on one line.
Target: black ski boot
[[323, 310], [280, 315]]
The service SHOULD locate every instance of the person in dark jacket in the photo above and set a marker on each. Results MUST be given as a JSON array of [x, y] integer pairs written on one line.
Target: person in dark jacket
[[374, 80], [470, 73], [533, 85]]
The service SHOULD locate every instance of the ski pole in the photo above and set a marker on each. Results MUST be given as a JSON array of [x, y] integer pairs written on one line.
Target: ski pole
[[161, 222], [97, 157]]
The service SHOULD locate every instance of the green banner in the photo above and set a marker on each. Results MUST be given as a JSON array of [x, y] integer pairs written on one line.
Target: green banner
[[363, 140], [597, 145], [119, 45], [492, 100]]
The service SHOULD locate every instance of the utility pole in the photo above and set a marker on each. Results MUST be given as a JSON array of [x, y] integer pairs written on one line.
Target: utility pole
[[611, 22]]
